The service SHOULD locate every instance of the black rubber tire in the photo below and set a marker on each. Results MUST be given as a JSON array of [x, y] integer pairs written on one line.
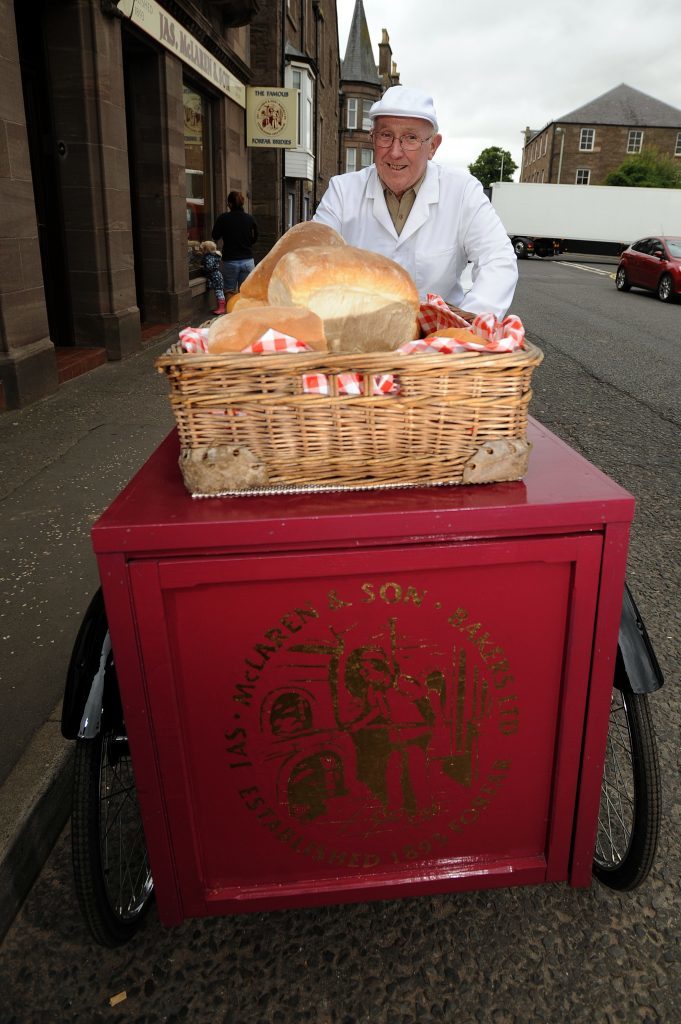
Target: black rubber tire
[[108, 847], [629, 814], [621, 280], [520, 249], [665, 288]]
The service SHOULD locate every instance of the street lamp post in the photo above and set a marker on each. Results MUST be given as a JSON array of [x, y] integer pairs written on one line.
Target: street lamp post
[[501, 172]]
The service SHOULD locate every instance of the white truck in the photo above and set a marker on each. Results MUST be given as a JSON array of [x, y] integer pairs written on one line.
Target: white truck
[[546, 220]]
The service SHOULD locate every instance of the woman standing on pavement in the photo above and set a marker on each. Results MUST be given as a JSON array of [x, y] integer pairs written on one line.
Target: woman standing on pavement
[[239, 232]]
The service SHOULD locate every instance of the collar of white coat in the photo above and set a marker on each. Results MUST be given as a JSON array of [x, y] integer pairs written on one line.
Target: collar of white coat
[[427, 194]]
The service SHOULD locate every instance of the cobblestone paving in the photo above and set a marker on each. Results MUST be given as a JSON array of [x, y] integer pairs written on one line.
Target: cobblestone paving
[[546, 954]]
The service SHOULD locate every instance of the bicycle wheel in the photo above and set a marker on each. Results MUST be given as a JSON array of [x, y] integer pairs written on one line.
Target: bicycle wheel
[[629, 814], [113, 880]]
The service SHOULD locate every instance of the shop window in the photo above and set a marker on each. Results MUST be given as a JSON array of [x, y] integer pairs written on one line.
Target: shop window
[[198, 177], [634, 142]]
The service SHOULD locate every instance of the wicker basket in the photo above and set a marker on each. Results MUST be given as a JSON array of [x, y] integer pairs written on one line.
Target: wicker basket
[[247, 427]]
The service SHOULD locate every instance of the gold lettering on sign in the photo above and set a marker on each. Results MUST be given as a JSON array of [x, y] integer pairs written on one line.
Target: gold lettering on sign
[[292, 622], [366, 724]]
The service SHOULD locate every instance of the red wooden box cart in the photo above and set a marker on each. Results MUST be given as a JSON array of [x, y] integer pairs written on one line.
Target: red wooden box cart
[[368, 695]]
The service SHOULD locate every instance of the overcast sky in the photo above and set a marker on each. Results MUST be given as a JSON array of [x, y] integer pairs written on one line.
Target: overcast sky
[[494, 67]]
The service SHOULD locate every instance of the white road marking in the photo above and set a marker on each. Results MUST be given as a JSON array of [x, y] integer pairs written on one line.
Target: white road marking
[[590, 270]]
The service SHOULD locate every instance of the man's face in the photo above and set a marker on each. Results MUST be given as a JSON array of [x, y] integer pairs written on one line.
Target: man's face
[[399, 169]]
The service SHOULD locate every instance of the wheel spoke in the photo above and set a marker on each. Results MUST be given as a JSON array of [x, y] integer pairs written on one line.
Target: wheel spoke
[[123, 851], [629, 811], [616, 813]]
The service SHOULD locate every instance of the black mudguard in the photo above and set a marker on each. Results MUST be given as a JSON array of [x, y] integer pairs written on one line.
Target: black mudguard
[[83, 665], [637, 669]]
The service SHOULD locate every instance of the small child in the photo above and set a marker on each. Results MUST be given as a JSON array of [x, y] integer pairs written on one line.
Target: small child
[[211, 262]]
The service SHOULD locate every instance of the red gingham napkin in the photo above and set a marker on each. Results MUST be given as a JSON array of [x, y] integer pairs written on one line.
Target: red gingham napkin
[[350, 384], [505, 336], [194, 339], [445, 346], [317, 383], [435, 314], [276, 341], [496, 336]]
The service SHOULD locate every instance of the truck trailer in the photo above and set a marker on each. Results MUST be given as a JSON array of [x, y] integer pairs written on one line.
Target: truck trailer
[[546, 220]]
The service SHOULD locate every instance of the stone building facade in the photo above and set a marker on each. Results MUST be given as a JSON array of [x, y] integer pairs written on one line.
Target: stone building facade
[[121, 125], [294, 44], [122, 130], [362, 83], [584, 146]]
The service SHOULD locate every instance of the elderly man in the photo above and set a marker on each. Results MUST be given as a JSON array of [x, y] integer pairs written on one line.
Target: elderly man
[[430, 219]]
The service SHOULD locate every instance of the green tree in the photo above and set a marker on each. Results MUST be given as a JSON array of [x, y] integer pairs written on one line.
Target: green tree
[[647, 169], [493, 164]]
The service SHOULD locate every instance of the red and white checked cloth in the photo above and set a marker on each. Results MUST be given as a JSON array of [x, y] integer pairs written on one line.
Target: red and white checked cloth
[[276, 341], [350, 384], [495, 336], [318, 383], [435, 315], [194, 339], [505, 336]]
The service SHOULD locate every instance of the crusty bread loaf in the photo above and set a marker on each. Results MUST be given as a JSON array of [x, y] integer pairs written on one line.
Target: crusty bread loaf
[[304, 234], [240, 301], [367, 302], [460, 333], [235, 331]]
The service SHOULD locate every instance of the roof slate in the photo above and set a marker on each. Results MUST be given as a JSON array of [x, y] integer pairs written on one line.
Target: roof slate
[[358, 64], [627, 106]]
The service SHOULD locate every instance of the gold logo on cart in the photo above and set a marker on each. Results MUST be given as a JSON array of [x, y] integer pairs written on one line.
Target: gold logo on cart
[[348, 723]]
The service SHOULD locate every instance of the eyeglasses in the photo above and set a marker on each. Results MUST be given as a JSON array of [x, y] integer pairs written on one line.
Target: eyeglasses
[[385, 139]]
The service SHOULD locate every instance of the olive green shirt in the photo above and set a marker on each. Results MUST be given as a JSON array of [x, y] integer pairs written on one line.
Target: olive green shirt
[[399, 209]]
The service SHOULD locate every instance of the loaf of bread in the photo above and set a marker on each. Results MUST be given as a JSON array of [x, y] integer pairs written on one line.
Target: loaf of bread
[[307, 233], [235, 331], [239, 301], [367, 302], [460, 333]]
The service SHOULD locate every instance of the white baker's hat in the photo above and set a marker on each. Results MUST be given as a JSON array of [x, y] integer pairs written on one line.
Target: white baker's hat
[[399, 101]]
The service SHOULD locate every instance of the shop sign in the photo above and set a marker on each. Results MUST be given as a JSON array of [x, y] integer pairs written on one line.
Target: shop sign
[[161, 26], [272, 117]]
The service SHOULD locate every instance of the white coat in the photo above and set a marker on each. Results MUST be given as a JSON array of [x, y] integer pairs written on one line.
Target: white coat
[[451, 224]]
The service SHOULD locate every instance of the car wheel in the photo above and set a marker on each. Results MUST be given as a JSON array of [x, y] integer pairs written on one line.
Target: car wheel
[[664, 288], [520, 248], [621, 280]]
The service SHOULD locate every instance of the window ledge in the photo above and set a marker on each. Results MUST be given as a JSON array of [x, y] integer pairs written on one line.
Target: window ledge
[[197, 285]]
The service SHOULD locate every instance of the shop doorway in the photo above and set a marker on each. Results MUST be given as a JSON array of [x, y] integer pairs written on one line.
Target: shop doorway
[[45, 151]]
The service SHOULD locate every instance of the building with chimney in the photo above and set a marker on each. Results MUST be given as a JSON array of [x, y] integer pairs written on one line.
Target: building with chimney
[[362, 82], [584, 146]]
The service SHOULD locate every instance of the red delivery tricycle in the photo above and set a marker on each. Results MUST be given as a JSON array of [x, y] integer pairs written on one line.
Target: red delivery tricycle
[[297, 699]]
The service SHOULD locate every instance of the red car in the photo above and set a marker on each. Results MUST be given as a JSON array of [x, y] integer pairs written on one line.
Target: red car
[[653, 263]]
